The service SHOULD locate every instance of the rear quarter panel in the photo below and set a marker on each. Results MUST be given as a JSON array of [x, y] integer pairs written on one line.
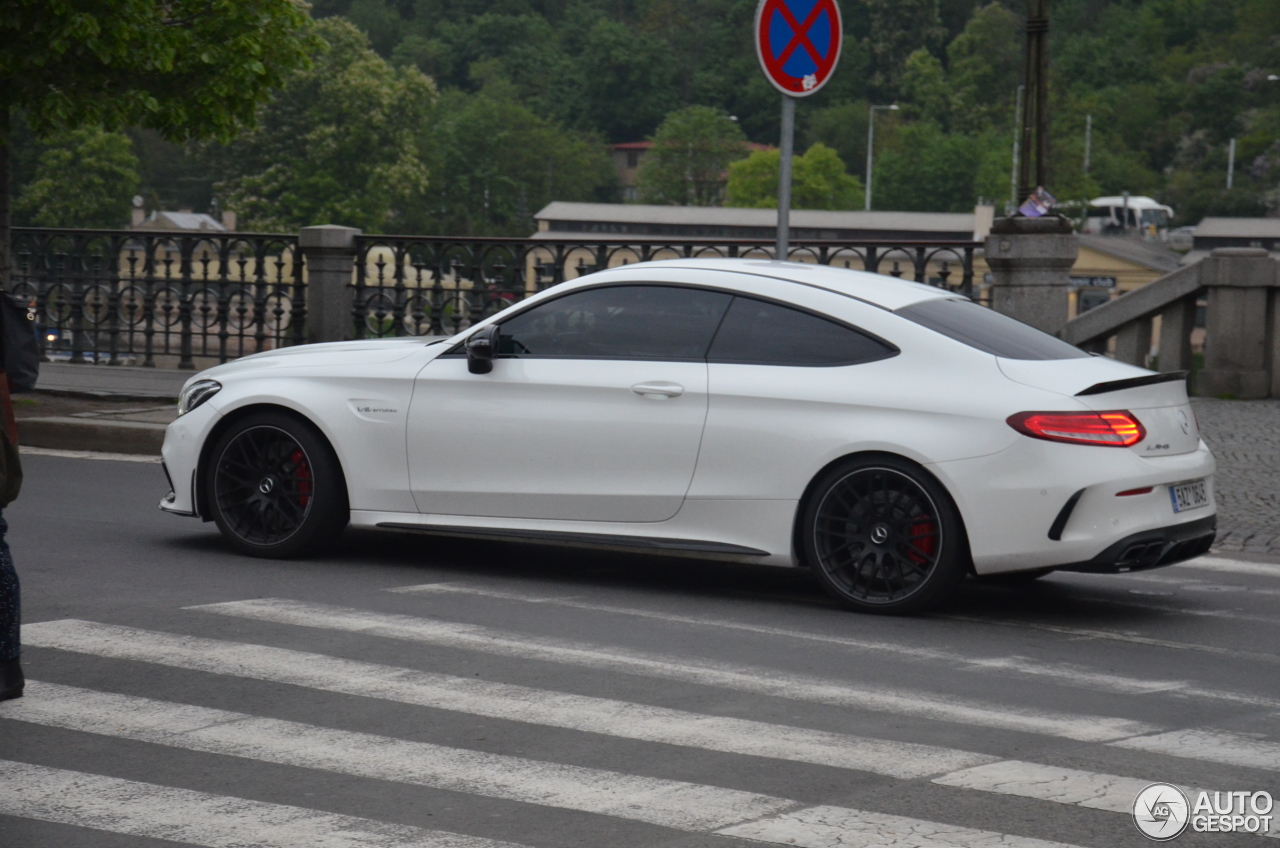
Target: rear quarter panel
[[771, 429]]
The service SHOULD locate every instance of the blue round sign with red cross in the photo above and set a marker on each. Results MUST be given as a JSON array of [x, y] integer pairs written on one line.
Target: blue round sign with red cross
[[798, 43]]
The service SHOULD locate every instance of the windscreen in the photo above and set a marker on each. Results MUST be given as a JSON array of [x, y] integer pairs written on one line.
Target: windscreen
[[988, 330]]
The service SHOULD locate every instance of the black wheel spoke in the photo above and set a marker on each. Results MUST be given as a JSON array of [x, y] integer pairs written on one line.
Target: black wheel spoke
[[877, 535], [263, 485]]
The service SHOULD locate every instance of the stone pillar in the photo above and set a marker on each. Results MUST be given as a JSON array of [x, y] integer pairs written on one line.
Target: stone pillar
[[1177, 320], [330, 253], [1030, 261], [1133, 342], [1238, 359]]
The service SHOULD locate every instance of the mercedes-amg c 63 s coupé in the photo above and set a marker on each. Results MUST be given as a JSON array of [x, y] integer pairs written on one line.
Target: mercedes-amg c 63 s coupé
[[891, 437]]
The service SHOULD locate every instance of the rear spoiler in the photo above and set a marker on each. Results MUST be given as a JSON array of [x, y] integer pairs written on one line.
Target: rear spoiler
[[1133, 383]]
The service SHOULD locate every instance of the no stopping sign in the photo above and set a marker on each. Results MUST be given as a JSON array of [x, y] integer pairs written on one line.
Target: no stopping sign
[[798, 43]]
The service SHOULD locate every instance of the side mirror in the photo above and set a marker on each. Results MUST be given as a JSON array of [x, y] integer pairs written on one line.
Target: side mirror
[[481, 348]]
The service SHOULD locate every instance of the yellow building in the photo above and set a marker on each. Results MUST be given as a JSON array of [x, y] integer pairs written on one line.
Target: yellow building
[[1109, 266]]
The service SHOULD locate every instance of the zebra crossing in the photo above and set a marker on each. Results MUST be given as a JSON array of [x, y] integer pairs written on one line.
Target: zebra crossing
[[1074, 780]]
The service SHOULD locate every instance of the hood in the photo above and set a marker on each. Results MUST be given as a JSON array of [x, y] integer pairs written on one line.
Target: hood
[[360, 352]]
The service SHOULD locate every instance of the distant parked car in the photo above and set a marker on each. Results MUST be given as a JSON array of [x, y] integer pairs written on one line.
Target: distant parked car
[[890, 436]]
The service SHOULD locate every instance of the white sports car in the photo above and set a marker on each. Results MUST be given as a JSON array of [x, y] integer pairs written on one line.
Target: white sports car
[[890, 436]]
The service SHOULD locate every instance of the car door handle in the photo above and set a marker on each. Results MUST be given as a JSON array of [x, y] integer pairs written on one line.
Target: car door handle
[[658, 389]]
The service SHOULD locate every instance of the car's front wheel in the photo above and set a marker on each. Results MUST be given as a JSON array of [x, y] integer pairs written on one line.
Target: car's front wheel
[[274, 486], [882, 535]]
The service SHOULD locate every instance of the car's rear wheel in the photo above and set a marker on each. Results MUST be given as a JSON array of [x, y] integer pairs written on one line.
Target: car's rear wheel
[[883, 536], [275, 488]]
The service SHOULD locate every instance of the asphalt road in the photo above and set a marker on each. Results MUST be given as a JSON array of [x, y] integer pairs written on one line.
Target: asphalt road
[[404, 690]]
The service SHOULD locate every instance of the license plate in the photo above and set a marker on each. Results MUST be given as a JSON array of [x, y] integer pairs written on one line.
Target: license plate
[[1192, 495]]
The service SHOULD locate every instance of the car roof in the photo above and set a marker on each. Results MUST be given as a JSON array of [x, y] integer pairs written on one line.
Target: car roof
[[877, 289]]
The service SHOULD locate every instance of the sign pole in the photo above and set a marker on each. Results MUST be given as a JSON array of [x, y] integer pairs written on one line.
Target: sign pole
[[798, 45], [784, 177]]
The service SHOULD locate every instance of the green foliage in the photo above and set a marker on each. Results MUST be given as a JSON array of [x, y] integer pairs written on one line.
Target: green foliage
[[926, 89], [339, 143], [928, 171], [692, 152], [495, 163], [898, 29], [84, 177], [187, 68], [818, 181], [843, 128], [985, 68]]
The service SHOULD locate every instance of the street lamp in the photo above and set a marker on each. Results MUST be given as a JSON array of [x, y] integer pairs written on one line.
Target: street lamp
[[871, 141]]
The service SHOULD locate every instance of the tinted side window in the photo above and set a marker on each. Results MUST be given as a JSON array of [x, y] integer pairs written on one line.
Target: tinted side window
[[766, 333], [618, 322], [988, 330]]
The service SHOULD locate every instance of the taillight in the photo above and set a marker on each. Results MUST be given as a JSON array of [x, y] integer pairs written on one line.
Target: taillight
[[1118, 429]]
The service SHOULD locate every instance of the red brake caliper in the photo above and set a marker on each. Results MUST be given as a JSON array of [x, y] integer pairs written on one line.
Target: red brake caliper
[[303, 472], [924, 540]]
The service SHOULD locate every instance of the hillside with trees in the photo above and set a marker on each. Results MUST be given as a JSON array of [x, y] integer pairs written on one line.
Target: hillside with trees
[[465, 116]]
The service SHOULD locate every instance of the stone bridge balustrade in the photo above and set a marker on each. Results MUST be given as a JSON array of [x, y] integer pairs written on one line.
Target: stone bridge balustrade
[[1242, 323]]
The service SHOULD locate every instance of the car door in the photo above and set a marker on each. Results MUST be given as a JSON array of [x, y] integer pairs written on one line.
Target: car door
[[593, 410]]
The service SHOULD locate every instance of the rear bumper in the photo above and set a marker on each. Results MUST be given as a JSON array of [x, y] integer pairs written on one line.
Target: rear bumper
[[1152, 548]]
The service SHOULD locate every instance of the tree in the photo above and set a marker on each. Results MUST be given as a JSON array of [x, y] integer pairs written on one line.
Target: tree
[[692, 151], [495, 163], [985, 66], [84, 177], [898, 29], [340, 142], [926, 89], [928, 171], [818, 181], [187, 68], [627, 81], [843, 128]]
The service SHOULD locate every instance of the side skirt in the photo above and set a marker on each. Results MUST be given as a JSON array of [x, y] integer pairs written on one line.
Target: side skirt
[[605, 540]]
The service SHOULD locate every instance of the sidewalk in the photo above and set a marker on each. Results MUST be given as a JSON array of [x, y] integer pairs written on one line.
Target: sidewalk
[[108, 381], [99, 408]]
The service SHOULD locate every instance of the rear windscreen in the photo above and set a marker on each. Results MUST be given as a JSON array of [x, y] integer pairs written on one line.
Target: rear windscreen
[[988, 330]]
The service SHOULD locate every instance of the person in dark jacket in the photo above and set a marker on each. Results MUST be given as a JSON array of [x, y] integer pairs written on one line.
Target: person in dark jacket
[[11, 680]]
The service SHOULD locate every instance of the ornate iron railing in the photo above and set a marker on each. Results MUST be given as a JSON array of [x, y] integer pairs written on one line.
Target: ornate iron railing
[[412, 285], [128, 297], [168, 298]]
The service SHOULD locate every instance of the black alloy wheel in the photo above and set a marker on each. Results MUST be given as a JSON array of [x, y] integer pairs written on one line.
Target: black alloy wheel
[[882, 535], [275, 488]]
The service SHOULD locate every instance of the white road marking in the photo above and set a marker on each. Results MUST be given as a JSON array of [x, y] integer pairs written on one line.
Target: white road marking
[[1232, 566], [669, 803], [1214, 746], [839, 827], [1189, 584], [1050, 783], [760, 681], [1072, 675], [496, 700], [1060, 785], [198, 818], [1116, 636], [78, 454]]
